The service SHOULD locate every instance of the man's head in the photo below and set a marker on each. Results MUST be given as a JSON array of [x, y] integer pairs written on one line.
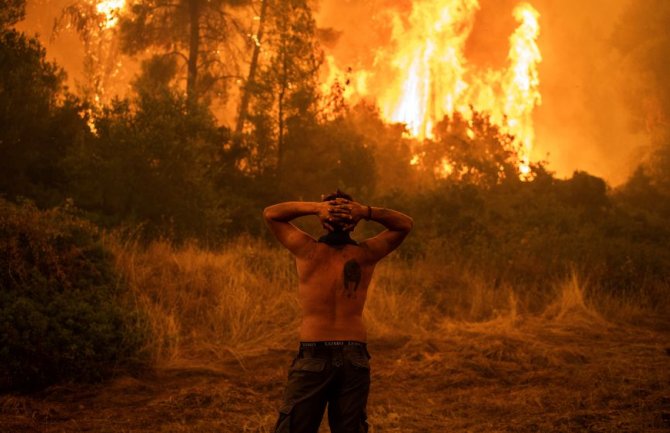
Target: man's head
[[337, 227], [335, 195]]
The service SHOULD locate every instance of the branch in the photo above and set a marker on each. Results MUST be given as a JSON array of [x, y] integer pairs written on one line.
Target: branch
[[226, 77], [178, 54]]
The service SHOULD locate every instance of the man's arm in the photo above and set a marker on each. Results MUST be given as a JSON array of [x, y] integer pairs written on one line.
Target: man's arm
[[398, 225], [295, 240]]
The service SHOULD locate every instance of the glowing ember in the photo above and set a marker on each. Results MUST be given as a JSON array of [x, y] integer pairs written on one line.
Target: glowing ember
[[426, 75], [444, 169], [110, 9]]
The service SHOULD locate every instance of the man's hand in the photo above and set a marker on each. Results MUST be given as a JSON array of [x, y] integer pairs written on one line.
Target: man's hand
[[347, 213], [324, 214], [331, 213]]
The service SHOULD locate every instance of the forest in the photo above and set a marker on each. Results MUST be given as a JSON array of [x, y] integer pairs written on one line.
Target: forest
[[131, 235]]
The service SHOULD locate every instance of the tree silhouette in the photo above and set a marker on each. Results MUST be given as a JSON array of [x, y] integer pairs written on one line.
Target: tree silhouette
[[470, 151], [201, 33], [40, 121], [285, 91], [11, 12]]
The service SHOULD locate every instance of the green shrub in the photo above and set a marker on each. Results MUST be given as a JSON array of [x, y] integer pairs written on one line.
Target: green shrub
[[531, 234], [61, 316]]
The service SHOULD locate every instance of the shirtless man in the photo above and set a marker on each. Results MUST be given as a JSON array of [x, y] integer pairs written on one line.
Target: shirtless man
[[332, 366]]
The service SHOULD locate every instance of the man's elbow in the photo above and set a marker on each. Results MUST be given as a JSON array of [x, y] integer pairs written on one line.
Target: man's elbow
[[409, 224]]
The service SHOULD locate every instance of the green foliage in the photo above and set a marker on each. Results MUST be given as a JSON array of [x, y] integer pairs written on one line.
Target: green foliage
[[528, 234], [156, 164], [39, 122], [391, 152], [284, 97], [60, 311], [321, 158], [642, 195], [484, 156]]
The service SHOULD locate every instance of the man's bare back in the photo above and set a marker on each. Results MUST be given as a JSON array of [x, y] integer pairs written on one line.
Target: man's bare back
[[334, 279], [333, 285]]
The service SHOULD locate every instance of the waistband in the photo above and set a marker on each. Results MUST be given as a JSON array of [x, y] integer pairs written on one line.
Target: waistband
[[329, 344]]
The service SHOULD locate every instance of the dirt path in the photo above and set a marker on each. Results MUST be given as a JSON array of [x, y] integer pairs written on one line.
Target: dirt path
[[568, 375]]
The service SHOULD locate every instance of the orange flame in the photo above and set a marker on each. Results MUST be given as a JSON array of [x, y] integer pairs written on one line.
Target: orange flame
[[430, 64], [430, 76], [110, 9]]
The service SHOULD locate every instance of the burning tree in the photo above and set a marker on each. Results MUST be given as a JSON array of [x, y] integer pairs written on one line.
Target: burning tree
[[96, 24], [470, 151], [204, 35]]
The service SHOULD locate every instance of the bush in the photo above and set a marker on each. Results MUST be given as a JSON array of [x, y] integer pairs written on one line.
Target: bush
[[529, 234], [61, 316]]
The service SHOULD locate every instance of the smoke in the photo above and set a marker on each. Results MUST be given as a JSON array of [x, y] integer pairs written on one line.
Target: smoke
[[66, 49], [584, 122], [642, 37], [92, 59]]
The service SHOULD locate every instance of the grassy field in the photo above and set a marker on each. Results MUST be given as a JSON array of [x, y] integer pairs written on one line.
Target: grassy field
[[451, 351]]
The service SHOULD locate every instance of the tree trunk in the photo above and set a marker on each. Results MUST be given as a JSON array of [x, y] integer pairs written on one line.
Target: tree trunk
[[280, 112], [194, 45], [246, 91]]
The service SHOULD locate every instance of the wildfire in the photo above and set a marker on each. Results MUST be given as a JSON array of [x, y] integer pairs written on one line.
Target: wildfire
[[422, 74], [101, 52], [110, 9], [426, 75]]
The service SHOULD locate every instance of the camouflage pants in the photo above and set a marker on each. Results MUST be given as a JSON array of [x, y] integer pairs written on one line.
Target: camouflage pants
[[332, 373]]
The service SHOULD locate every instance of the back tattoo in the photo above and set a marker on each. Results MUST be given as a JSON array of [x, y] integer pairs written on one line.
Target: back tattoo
[[352, 277]]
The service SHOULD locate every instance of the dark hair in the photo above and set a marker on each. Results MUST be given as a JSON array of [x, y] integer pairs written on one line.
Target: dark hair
[[337, 194]]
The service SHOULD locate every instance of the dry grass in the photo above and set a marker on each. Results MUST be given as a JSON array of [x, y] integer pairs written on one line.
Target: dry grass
[[451, 352], [207, 305]]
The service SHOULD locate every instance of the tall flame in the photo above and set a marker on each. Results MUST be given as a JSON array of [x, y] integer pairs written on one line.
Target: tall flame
[[430, 64], [520, 83], [429, 76]]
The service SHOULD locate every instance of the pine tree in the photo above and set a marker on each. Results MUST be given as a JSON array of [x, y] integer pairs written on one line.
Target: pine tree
[[285, 93], [201, 33]]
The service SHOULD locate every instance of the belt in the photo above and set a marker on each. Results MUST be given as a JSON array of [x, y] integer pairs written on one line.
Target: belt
[[324, 344]]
